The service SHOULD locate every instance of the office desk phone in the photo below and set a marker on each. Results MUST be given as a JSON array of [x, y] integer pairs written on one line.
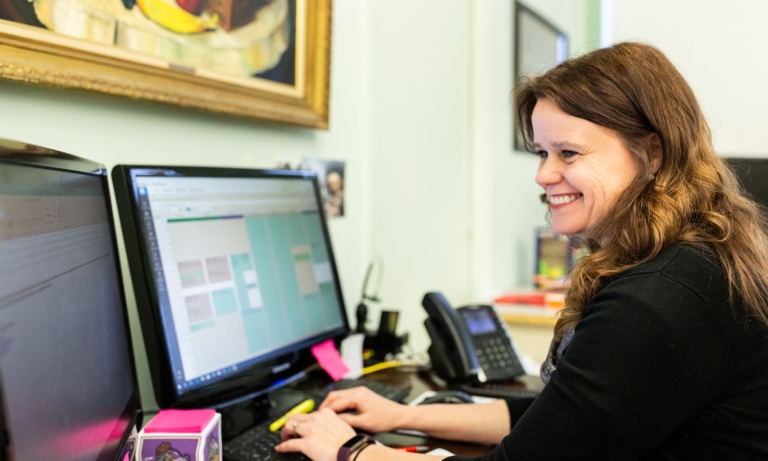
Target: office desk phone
[[470, 345]]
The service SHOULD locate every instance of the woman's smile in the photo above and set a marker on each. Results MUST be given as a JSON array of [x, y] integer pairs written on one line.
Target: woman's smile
[[557, 202]]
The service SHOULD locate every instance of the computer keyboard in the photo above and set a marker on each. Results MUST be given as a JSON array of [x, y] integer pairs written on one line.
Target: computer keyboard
[[396, 393], [498, 391], [258, 443]]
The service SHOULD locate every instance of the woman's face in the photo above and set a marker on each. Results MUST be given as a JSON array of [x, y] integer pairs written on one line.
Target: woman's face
[[584, 169]]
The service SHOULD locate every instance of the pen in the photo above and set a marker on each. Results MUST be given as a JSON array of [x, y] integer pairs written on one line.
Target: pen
[[414, 449], [304, 407]]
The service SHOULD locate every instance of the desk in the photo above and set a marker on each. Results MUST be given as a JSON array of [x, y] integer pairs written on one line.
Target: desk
[[419, 383]]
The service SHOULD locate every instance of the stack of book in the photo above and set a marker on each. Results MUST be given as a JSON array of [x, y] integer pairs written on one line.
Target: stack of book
[[533, 308]]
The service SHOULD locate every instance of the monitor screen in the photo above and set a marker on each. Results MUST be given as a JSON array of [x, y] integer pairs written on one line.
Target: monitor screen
[[66, 367], [240, 270], [752, 173]]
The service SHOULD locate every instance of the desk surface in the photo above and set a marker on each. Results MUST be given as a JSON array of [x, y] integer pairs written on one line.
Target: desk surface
[[420, 383]]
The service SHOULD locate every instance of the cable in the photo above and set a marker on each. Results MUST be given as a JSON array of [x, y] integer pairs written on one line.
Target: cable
[[361, 312], [364, 296]]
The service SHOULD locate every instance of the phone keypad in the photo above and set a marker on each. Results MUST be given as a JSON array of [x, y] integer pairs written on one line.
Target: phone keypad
[[496, 357]]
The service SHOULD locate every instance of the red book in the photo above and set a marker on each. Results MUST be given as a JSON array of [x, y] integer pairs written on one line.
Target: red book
[[522, 298]]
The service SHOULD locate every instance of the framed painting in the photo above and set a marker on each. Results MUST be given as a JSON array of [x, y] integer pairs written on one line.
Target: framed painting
[[539, 46], [267, 59]]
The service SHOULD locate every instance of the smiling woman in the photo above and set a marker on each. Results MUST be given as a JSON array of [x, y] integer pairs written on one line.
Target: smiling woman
[[648, 163], [662, 352], [584, 169]]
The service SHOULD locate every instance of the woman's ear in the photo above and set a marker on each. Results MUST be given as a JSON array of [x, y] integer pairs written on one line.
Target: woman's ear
[[656, 153]]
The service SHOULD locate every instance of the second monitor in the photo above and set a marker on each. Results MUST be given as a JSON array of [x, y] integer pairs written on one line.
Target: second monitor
[[234, 277]]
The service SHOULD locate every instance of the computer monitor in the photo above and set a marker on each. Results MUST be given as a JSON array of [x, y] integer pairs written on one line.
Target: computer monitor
[[752, 172], [67, 382], [234, 277]]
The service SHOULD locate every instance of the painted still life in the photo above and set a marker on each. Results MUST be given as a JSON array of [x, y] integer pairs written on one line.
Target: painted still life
[[265, 59], [239, 37]]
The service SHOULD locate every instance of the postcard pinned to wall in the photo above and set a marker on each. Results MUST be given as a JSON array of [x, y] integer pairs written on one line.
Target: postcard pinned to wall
[[330, 176]]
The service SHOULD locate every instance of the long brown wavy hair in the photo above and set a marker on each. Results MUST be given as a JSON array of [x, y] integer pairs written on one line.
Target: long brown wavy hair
[[695, 198]]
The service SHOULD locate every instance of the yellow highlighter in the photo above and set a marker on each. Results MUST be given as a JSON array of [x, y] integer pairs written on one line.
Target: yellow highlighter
[[304, 407]]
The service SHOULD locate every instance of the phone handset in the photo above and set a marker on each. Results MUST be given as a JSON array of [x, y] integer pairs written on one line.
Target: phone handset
[[452, 351]]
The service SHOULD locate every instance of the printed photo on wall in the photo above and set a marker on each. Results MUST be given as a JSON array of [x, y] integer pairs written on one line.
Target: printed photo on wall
[[330, 175]]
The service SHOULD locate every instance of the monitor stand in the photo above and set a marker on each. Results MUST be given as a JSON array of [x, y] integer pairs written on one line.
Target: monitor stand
[[242, 416], [238, 417]]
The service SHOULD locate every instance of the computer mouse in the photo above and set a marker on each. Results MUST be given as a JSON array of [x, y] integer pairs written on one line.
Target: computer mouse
[[448, 397]]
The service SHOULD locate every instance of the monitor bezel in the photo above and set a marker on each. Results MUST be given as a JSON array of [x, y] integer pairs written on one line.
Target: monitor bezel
[[250, 382], [29, 155], [742, 168]]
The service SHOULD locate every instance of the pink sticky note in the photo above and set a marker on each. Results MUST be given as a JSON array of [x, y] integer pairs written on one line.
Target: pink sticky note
[[180, 421], [328, 358]]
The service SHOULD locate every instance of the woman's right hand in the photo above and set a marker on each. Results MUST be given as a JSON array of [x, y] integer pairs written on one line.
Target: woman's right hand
[[374, 412]]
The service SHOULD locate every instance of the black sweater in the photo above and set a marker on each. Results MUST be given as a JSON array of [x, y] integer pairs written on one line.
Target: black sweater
[[661, 367]]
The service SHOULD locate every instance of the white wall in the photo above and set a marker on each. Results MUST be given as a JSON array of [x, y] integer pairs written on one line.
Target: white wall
[[720, 49], [419, 68]]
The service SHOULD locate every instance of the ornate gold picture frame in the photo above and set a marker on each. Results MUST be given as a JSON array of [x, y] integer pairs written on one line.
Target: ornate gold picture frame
[[267, 59]]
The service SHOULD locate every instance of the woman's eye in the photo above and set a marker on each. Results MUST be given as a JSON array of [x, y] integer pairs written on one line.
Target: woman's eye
[[569, 153], [542, 153]]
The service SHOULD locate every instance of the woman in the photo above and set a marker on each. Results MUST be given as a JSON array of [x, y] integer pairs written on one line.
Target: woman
[[662, 351]]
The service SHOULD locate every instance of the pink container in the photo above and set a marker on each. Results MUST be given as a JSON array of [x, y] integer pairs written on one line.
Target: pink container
[[193, 435]]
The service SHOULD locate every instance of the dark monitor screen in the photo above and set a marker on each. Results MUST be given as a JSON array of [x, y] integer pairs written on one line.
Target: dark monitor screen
[[238, 272], [753, 175], [66, 368]]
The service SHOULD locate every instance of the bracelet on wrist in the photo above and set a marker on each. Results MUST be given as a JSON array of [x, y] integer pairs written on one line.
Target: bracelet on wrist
[[361, 450], [355, 444]]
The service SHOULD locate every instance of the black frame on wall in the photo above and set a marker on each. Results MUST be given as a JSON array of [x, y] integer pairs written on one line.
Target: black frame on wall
[[535, 46]]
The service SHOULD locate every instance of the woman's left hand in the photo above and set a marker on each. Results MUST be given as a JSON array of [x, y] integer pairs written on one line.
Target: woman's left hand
[[318, 435]]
